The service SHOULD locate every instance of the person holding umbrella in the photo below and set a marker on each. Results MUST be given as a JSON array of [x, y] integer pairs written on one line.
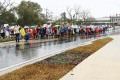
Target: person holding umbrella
[[27, 36]]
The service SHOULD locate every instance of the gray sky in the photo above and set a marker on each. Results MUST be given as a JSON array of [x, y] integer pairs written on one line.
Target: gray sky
[[98, 8]]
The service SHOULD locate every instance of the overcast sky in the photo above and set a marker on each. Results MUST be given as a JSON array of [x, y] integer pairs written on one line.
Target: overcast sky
[[98, 8]]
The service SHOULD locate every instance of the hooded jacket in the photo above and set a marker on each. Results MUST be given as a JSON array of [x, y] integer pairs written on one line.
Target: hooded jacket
[[22, 31]]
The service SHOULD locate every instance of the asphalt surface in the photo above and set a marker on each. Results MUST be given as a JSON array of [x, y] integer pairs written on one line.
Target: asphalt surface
[[13, 54]]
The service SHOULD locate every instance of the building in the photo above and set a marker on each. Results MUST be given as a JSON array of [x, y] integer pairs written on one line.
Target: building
[[112, 20], [101, 21], [115, 20]]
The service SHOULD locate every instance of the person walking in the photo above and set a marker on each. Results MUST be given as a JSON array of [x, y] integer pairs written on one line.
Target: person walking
[[17, 33]]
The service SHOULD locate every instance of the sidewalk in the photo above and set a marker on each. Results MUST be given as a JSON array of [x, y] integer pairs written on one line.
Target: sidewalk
[[102, 65]]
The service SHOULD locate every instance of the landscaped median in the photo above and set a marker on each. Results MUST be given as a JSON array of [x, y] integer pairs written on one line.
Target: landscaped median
[[55, 67]]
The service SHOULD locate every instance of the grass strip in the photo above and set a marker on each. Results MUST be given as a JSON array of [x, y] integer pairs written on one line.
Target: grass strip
[[55, 67], [7, 39]]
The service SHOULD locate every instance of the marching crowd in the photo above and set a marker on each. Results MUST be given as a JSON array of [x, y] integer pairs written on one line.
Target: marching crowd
[[26, 33]]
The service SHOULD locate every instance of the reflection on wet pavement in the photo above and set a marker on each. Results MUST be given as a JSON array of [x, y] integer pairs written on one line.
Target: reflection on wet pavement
[[18, 53]]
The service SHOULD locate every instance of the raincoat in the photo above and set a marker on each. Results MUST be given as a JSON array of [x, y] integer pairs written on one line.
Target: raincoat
[[22, 31], [27, 35], [96, 29], [47, 31], [34, 31], [31, 33], [58, 32]]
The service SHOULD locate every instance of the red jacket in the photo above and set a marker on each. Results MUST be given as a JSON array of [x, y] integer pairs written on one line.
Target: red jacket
[[34, 31], [31, 33], [96, 29]]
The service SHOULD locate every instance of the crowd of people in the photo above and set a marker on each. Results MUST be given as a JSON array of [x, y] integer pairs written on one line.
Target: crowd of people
[[41, 32]]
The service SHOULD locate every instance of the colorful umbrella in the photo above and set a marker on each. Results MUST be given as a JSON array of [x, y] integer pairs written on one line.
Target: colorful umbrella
[[26, 27], [57, 25], [32, 26]]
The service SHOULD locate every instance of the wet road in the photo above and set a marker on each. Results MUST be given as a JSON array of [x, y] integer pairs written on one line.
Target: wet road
[[18, 53]]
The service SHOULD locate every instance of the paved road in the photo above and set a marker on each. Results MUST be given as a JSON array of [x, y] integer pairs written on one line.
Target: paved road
[[17, 53]]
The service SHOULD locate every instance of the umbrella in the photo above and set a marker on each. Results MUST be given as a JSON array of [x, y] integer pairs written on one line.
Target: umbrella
[[5, 25], [73, 26], [57, 25], [67, 25], [12, 27], [32, 26], [45, 25], [28, 34], [26, 27]]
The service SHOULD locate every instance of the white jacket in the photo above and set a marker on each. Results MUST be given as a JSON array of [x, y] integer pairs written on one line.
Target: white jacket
[[16, 29]]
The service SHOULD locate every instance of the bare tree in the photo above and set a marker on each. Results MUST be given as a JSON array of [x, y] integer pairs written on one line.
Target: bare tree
[[69, 10], [48, 14], [63, 16], [85, 14], [75, 10]]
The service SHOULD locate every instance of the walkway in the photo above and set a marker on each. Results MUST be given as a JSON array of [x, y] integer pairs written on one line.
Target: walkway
[[102, 65]]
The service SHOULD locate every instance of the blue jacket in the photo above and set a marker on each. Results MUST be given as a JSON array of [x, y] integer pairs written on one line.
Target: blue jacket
[[40, 31]]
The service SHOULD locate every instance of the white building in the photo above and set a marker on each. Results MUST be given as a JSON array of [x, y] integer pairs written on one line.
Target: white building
[[112, 20]]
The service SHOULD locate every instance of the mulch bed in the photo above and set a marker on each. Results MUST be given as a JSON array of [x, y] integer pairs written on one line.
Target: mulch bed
[[67, 58]]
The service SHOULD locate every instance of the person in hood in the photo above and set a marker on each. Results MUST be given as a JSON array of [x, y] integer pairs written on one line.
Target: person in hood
[[34, 32], [27, 36], [29, 30], [22, 32]]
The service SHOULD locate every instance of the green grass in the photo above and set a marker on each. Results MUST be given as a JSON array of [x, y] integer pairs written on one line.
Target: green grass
[[76, 57], [54, 58], [57, 62], [65, 58], [42, 61], [83, 55], [65, 63], [63, 54], [73, 55], [7, 39]]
